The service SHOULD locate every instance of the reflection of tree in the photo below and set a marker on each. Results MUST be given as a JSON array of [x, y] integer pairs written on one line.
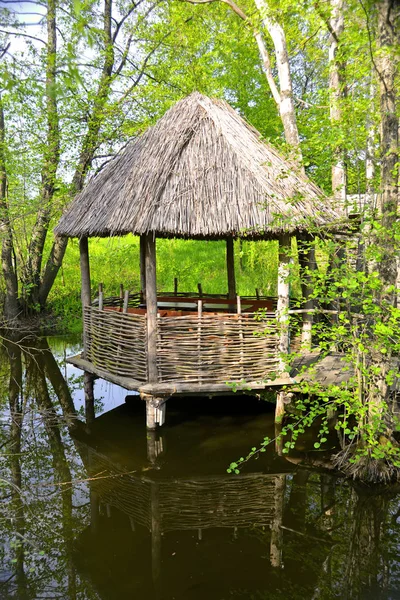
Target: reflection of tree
[[17, 507], [40, 514]]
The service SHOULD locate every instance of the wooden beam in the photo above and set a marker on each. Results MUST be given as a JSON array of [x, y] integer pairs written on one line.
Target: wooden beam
[[283, 299], [143, 266], [151, 308], [230, 265], [86, 296]]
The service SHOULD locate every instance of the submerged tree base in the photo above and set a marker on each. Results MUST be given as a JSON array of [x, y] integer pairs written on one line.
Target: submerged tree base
[[365, 468]]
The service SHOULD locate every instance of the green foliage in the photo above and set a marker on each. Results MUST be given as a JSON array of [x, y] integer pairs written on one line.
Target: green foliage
[[116, 260]]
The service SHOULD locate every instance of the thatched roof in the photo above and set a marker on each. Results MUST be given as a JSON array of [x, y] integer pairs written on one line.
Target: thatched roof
[[200, 172]]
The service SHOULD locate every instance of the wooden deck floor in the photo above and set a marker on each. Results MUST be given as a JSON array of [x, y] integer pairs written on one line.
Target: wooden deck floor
[[326, 371]]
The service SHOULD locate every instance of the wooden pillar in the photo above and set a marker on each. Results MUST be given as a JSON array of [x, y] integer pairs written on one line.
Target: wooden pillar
[[283, 299], [85, 284], [151, 308], [230, 264], [143, 266], [306, 254]]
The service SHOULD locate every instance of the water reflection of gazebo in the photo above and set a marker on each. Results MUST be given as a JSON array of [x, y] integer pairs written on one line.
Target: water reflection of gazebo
[[200, 173], [162, 505]]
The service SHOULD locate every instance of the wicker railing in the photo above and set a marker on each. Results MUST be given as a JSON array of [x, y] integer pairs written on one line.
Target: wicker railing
[[216, 348], [116, 342], [208, 349]]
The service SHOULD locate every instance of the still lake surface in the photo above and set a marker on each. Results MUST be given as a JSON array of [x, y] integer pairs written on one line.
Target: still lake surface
[[106, 511]]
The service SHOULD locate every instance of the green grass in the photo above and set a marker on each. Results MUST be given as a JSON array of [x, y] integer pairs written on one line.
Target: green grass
[[116, 260]]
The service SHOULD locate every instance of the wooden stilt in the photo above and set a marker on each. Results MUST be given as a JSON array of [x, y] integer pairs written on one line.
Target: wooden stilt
[[160, 414], [86, 295], [230, 264], [151, 422], [151, 304], [280, 407], [282, 398], [155, 411], [283, 300], [143, 267]]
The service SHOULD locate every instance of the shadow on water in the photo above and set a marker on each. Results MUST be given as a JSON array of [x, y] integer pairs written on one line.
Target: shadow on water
[[105, 510]]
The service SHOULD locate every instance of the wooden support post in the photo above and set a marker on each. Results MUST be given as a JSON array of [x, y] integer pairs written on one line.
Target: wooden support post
[[230, 264], [280, 407], [100, 296], [200, 289], [199, 315], [86, 296], [155, 411], [126, 302], [306, 254], [121, 295], [143, 267], [150, 415], [283, 300], [175, 286], [239, 312], [151, 304]]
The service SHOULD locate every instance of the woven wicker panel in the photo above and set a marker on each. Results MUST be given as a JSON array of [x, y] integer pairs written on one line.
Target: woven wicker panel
[[217, 348], [116, 342]]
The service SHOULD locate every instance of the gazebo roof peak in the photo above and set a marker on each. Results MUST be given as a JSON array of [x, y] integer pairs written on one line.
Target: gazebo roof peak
[[200, 172]]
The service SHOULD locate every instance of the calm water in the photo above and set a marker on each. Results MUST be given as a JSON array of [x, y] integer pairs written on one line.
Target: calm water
[[105, 511]]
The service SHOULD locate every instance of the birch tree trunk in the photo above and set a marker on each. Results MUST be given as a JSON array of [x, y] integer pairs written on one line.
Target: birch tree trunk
[[336, 89], [286, 106], [283, 95]]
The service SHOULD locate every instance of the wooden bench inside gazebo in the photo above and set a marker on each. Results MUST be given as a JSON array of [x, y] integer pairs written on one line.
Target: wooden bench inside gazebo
[[200, 173]]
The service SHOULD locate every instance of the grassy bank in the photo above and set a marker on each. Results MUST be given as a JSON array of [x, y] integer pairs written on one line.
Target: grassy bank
[[116, 260]]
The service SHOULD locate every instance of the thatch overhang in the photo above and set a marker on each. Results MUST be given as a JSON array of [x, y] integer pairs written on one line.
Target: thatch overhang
[[200, 172]]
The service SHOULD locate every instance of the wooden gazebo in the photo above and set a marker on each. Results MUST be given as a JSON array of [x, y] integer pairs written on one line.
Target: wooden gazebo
[[201, 172]]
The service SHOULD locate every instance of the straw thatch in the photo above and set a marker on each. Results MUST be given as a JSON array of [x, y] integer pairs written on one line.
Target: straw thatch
[[200, 172]]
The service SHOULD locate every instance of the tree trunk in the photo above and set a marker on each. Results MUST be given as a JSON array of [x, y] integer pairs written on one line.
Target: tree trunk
[[11, 305], [89, 146], [50, 164], [284, 96], [286, 104], [387, 63], [336, 89]]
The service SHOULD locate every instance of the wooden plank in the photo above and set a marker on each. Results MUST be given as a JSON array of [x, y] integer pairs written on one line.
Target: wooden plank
[[125, 382], [164, 389]]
